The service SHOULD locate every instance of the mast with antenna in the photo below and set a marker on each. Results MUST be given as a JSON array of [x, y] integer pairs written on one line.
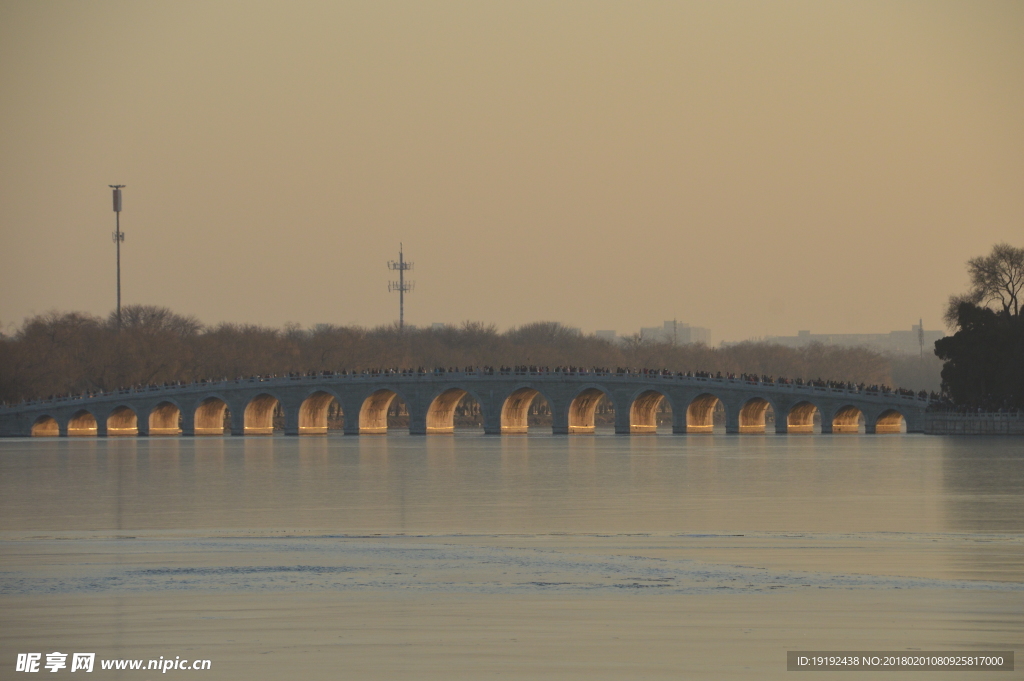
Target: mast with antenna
[[118, 237], [401, 285]]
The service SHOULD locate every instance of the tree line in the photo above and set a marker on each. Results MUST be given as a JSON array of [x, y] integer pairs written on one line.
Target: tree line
[[61, 353]]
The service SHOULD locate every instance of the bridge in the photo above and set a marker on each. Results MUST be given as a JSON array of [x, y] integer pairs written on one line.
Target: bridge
[[247, 406]]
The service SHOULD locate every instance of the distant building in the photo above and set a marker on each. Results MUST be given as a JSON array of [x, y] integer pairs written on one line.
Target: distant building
[[894, 342], [676, 333], [672, 331]]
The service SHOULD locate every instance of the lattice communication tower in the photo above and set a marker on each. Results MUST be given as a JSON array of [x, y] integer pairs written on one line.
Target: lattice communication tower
[[402, 286]]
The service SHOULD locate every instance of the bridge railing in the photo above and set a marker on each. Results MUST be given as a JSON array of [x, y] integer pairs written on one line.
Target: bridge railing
[[388, 375]]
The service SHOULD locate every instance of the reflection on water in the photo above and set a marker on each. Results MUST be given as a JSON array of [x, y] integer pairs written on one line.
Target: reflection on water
[[536, 483], [983, 484]]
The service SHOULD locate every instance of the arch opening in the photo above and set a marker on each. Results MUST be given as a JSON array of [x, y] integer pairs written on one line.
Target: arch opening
[[212, 417], [804, 417], [318, 413], [890, 422], [165, 419], [45, 426], [383, 409], [453, 408], [398, 414], [704, 413], [335, 416], [756, 415], [469, 414], [82, 423], [849, 419], [589, 409], [649, 410], [263, 415], [539, 413], [122, 421], [525, 407]]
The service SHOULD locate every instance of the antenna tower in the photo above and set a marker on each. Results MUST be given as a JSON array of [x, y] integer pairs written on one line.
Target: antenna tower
[[118, 237], [400, 265]]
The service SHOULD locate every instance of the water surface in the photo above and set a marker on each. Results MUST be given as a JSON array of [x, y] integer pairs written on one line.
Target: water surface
[[524, 484], [534, 557]]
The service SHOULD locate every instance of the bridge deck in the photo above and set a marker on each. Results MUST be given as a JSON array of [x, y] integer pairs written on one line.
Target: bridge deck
[[248, 404]]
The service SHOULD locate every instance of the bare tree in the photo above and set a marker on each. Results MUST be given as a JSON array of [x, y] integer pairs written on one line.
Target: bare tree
[[996, 279], [60, 353]]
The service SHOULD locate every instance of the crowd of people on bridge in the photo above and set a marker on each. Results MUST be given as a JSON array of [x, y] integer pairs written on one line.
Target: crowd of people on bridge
[[938, 401]]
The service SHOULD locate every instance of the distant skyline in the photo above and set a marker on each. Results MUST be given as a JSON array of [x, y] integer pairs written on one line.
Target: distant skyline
[[752, 168]]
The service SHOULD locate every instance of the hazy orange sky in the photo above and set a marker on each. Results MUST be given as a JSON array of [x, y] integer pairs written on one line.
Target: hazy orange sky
[[753, 167]]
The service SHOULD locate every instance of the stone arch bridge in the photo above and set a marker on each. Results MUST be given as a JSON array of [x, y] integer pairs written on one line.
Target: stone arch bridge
[[247, 406]]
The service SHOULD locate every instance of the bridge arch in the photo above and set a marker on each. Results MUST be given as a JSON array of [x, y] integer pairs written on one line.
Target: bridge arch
[[45, 426], [210, 415], [515, 409], [800, 418], [890, 421], [643, 410], [848, 419], [313, 412], [165, 419], [754, 415], [122, 421], [700, 413], [259, 414], [82, 422], [373, 413], [441, 412], [583, 407]]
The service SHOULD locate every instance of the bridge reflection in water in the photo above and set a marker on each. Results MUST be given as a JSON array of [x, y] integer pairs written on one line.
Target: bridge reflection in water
[[302, 404]]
